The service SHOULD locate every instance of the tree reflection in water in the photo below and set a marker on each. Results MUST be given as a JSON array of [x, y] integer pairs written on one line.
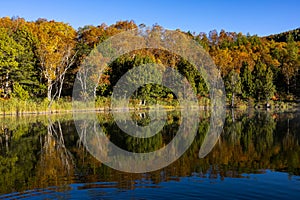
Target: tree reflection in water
[[38, 152], [55, 161]]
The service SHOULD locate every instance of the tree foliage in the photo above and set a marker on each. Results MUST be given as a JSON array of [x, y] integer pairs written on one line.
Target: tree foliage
[[43, 58]]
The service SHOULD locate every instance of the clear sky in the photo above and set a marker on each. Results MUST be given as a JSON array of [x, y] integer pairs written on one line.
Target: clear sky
[[261, 17]]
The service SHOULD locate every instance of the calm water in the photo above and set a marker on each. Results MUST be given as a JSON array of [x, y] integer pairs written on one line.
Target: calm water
[[256, 156]]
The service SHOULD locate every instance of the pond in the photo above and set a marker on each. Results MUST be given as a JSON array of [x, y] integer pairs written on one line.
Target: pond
[[257, 155]]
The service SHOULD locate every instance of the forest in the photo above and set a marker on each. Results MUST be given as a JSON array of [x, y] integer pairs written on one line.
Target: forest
[[39, 61]]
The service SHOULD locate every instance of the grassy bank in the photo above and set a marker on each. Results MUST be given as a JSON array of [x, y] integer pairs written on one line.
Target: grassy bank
[[41, 106], [15, 106], [272, 105]]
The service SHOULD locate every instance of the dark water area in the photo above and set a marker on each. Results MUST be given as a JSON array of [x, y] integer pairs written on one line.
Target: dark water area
[[256, 156]]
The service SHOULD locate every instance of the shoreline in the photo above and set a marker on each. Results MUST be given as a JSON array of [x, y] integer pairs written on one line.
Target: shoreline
[[98, 110], [291, 107]]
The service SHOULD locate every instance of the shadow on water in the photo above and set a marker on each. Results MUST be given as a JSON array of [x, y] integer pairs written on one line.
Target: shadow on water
[[45, 156]]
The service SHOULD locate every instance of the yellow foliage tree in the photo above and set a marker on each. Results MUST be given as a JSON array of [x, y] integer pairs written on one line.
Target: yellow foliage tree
[[55, 51]]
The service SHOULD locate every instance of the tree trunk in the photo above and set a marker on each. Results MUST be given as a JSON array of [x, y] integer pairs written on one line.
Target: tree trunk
[[288, 126], [61, 83], [6, 86], [232, 115], [49, 91], [53, 96], [232, 100], [267, 100], [288, 86]]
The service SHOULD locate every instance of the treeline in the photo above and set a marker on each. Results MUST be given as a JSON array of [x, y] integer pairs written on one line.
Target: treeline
[[283, 37], [39, 60]]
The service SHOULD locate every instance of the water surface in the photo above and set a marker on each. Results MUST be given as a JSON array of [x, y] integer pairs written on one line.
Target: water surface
[[256, 156]]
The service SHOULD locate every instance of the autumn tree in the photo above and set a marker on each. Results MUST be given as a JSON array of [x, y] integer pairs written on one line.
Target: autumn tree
[[89, 37], [55, 51]]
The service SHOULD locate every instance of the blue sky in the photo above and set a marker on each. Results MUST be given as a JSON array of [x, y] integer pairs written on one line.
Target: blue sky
[[261, 17]]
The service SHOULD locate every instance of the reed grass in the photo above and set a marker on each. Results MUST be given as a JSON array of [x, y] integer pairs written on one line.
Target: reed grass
[[14, 106]]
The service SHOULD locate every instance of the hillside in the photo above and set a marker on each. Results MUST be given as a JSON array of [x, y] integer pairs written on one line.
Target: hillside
[[282, 37]]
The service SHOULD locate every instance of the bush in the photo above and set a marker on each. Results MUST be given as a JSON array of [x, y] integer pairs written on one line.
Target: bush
[[19, 92]]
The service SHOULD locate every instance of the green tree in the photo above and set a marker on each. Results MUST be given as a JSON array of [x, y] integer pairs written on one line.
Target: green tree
[[290, 64], [28, 74], [232, 85], [9, 53], [246, 81], [259, 75], [263, 83], [268, 86]]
